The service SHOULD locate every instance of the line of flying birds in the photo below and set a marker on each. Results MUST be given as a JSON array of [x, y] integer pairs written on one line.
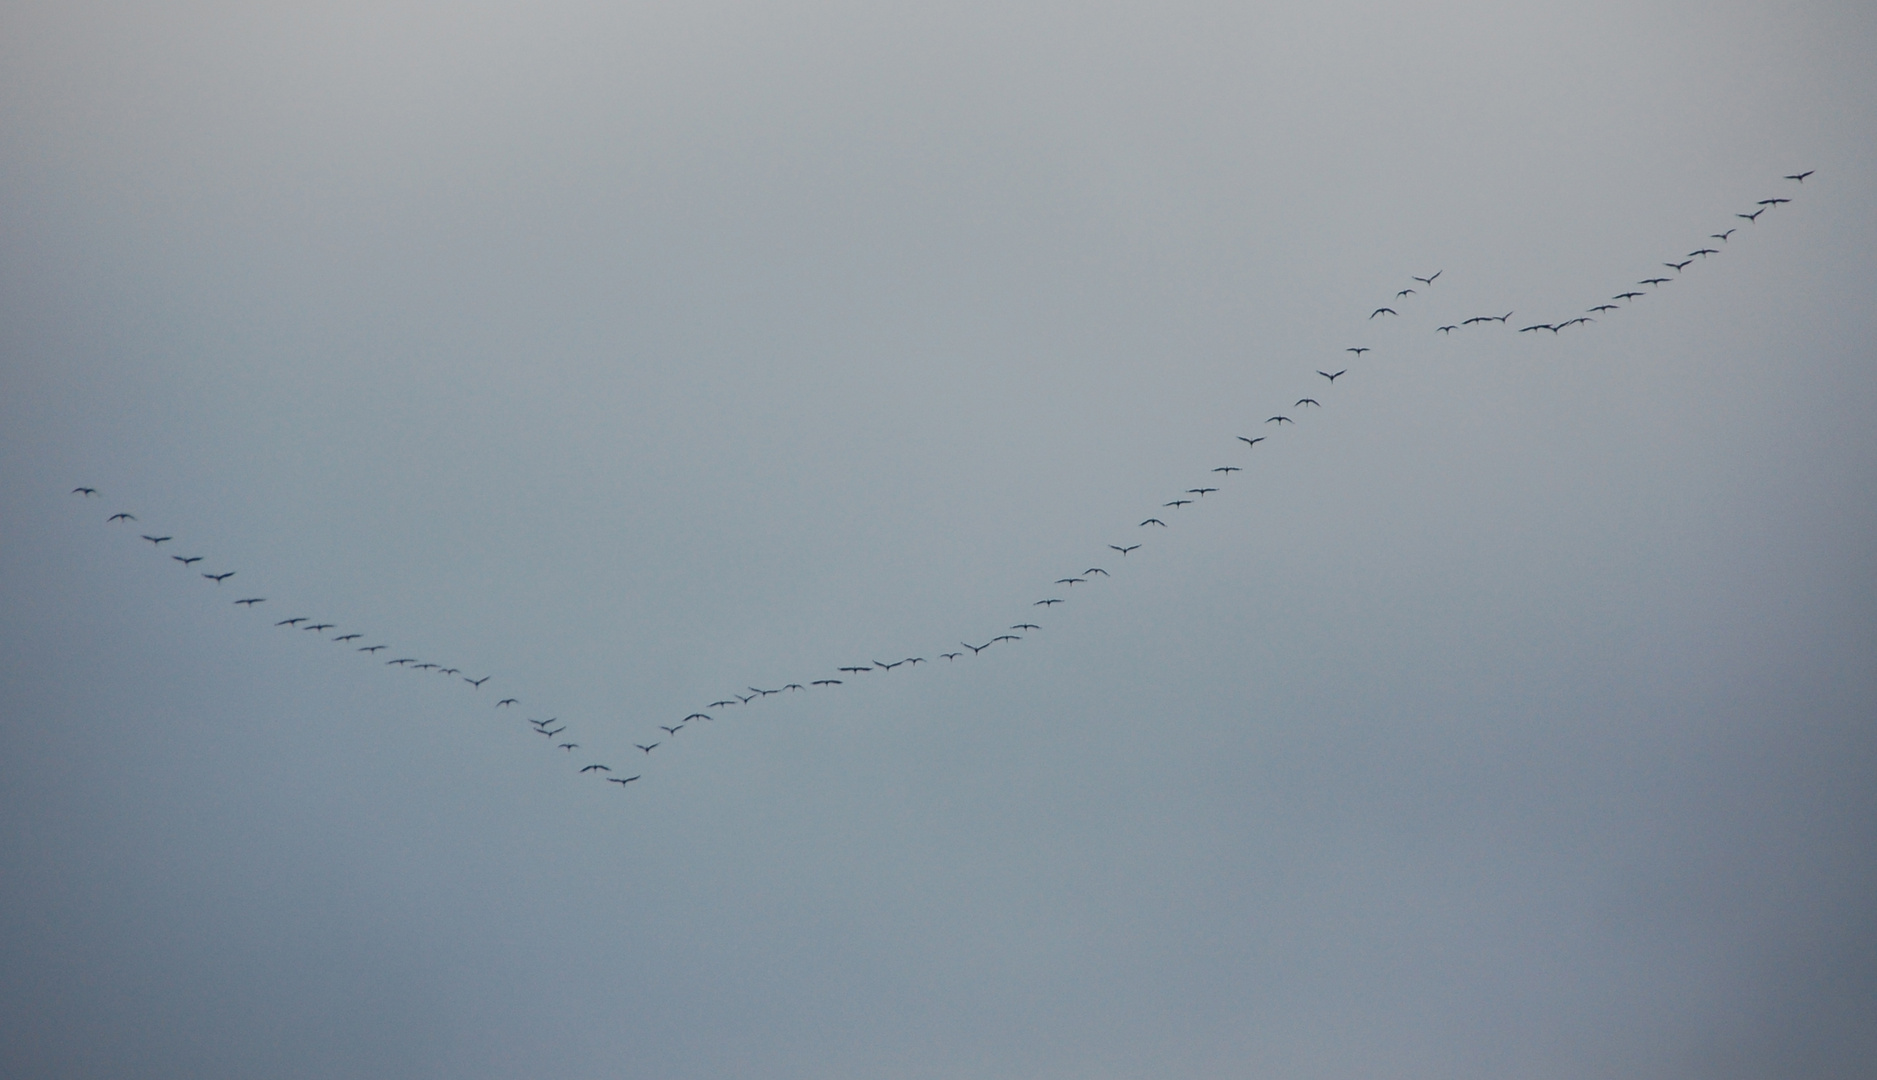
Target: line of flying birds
[[553, 728]]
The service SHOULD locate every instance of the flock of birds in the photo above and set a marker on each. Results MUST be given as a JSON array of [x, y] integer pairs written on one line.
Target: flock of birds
[[553, 729]]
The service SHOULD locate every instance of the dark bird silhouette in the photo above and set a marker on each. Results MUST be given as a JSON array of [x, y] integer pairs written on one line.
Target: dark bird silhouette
[[696, 716], [373, 648], [1429, 280], [1445, 329], [121, 517], [292, 621], [1097, 570], [157, 539], [648, 749], [187, 559], [1773, 202], [916, 660], [746, 700], [721, 704], [1753, 217], [1680, 266], [1800, 177], [618, 780], [1228, 469], [1540, 326], [318, 626], [1383, 311], [975, 649], [950, 655], [671, 730], [401, 661], [1363, 349], [596, 768], [1333, 378], [1025, 626], [570, 747], [551, 734], [253, 600], [1250, 442], [1722, 236], [1280, 421], [1469, 322], [423, 667], [1404, 292], [790, 686], [1603, 307], [219, 578], [1655, 281], [85, 491], [543, 723], [1201, 492], [1306, 401], [766, 693], [1703, 252], [449, 671], [1048, 602], [1154, 521], [857, 669], [1579, 321], [1071, 582], [348, 637], [507, 701], [1006, 637], [477, 683], [1124, 550], [826, 682], [1627, 295], [1177, 503], [1502, 318], [884, 666]]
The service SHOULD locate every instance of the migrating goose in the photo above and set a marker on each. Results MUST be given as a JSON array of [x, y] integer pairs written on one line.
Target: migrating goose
[[1252, 442], [596, 768], [1124, 550], [830, 682], [1333, 378], [157, 539], [219, 578], [121, 517], [1154, 521], [253, 600], [477, 683], [187, 559]]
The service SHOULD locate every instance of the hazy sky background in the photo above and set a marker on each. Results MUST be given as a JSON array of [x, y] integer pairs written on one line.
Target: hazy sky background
[[1509, 717]]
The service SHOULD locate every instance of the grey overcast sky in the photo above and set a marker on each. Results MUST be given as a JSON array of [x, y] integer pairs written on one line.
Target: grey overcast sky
[[1508, 716]]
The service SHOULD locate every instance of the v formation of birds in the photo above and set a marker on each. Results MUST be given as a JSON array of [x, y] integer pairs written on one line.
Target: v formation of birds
[[553, 729]]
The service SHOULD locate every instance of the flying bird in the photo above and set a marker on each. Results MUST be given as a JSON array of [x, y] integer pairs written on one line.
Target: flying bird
[[1071, 582], [884, 666], [1259, 439], [477, 683], [1540, 326], [671, 730], [1383, 311], [1177, 503], [1124, 550], [1703, 252], [318, 626], [1773, 202], [422, 667], [85, 491], [950, 655], [721, 704], [1280, 421], [1680, 266], [292, 621], [648, 749], [1006, 637], [1655, 281], [1753, 217], [1333, 378], [348, 637], [551, 734], [1627, 296], [372, 648], [253, 600], [1446, 329], [1046, 603], [1800, 177], [1722, 236], [1228, 469], [617, 780], [219, 578], [507, 701], [975, 649], [1097, 570], [570, 747], [1201, 492], [695, 716], [157, 539], [1430, 279], [1154, 521], [863, 667], [1306, 401], [1404, 292], [1362, 350], [832, 682], [1467, 322], [187, 559], [1603, 307], [121, 517], [1025, 626], [596, 768], [401, 661]]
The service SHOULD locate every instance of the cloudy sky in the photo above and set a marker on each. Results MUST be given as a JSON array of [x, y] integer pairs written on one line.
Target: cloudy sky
[[1508, 715]]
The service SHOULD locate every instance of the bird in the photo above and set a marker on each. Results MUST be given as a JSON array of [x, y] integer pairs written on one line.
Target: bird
[[829, 682], [1306, 401], [318, 626], [372, 648], [1383, 311], [477, 683], [1445, 329], [1048, 602], [1331, 378], [1362, 350], [1466, 322], [1703, 252], [596, 768], [1800, 177], [422, 667], [1006, 637], [292, 621], [85, 491], [1654, 281], [863, 667], [1025, 626], [1429, 280], [121, 517], [1502, 318], [1228, 469], [791, 686], [543, 723], [1753, 217], [721, 704], [570, 747], [219, 578], [1722, 236], [1280, 421], [401, 661], [1602, 307], [617, 780], [507, 701], [766, 693], [1154, 521], [1070, 581], [950, 655], [884, 666], [1773, 202], [253, 600], [1253, 442], [1177, 503], [157, 539], [1404, 292], [1097, 570], [695, 716], [449, 671], [1540, 326], [1680, 266], [1581, 319], [1626, 296], [1124, 550], [187, 559], [551, 734], [647, 749], [348, 637], [747, 700], [1201, 492], [671, 730], [975, 649]]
